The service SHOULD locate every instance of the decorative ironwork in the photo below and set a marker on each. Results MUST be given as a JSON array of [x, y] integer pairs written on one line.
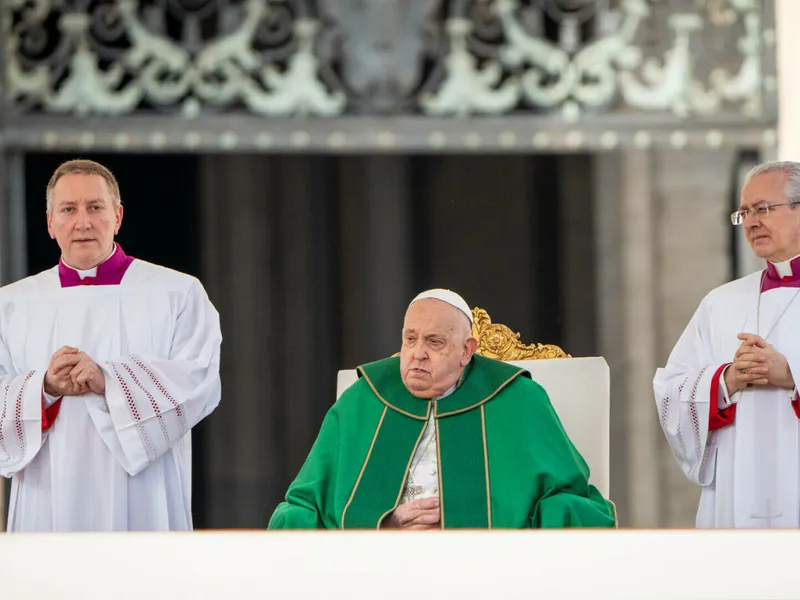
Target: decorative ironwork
[[600, 56], [111, 58], [433, 57], [380, 48], [499, 342]]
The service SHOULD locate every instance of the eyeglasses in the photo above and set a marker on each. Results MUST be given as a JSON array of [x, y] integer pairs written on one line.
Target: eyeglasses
[[762, 211]]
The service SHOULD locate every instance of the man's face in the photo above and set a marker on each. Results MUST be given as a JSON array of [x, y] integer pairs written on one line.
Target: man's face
[[83, 219], [775, 237], [437, 345]]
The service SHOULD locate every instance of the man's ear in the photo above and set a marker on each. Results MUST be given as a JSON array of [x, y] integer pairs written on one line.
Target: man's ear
[[118, 218], [469, 349]]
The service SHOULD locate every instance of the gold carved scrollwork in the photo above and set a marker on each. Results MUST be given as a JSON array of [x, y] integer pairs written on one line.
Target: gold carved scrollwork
[[499, 342]]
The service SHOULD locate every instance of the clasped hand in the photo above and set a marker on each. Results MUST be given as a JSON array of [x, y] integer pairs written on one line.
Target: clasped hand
[[415, 515], [72, 372], [757, 363]]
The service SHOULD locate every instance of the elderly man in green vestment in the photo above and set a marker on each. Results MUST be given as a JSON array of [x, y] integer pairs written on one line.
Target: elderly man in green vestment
[[442, 438]]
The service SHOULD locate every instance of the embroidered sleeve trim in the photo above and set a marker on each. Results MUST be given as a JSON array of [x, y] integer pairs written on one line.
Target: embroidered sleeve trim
[[19, 427], [678, 434], [164, 392], [2, 419], [153, 403], [698, 446], [137, 418]]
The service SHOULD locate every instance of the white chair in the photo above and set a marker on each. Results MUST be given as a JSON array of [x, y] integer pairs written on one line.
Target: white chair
[[579, 389]]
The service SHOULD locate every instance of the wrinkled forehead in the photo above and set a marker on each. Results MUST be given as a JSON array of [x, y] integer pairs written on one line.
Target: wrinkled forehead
[[766, 188], [434, 316]]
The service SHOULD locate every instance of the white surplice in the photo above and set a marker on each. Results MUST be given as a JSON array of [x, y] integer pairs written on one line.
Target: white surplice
[[749, 471], [121, 461]]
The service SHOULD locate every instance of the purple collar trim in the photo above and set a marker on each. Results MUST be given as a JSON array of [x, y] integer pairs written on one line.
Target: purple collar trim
[[109, 272]]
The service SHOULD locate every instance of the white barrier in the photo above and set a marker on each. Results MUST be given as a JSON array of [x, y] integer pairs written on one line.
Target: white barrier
[[551, 565]]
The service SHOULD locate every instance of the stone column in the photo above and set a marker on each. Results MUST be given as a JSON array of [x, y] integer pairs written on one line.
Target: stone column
[[664, 240], [695, 253], [625, 223], [15, 259], [481, 212], [241, 453], [610, 315], [309, 342], [376, 244], [575, 252], [268, 267]]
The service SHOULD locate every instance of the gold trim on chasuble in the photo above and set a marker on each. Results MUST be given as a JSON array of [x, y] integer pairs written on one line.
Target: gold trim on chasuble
[[500, 388], [364, 466], [369, 456], [375, 391], [404, 480], [439, 474], [486, 466], [486, 388]]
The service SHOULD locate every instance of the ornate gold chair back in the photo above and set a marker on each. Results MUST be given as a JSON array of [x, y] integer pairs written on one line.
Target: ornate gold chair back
[[499, 342]]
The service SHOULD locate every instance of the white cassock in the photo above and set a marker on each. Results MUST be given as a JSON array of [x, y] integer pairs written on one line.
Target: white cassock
[[121, 461], [749, 471]]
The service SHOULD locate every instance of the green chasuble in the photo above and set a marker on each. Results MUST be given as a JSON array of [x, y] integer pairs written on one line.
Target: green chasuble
[[504, 458]]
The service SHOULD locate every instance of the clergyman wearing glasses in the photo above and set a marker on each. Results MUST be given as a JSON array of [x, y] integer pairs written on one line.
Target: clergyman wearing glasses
[[727, 399]]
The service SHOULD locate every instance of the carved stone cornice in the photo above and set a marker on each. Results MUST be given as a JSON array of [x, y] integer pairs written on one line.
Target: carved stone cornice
[[391, 134]]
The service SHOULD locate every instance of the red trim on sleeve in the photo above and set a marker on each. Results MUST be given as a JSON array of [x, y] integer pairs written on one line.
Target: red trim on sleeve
[[717, 419], [50, 413], [796, 404]]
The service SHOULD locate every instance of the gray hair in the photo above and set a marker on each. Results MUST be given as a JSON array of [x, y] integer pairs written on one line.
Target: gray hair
[[791, 168]]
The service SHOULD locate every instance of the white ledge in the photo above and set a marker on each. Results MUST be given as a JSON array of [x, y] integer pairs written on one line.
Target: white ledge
[[552, 565]]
